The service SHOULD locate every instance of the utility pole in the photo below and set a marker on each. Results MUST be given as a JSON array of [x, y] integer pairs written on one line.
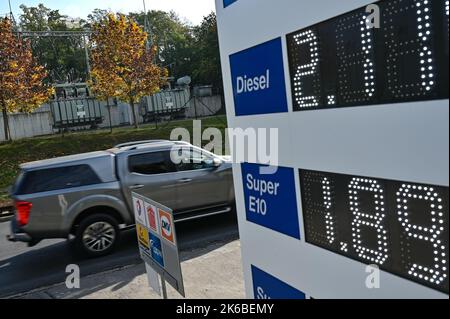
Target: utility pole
[[11, 16], [86, 52], [10, 10], [146, 27], [83, 35]]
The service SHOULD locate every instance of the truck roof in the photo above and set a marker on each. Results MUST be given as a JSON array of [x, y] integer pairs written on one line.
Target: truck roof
[[84, 157], [65, 160], [144, 145]]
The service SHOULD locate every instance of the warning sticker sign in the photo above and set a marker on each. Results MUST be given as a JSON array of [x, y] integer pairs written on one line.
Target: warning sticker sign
[[139, 211], [157, 239], [152, 217], [143, 236], [166, 226]]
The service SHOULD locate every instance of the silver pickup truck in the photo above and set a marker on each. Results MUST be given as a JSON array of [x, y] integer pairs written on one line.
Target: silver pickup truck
[[88, 196]]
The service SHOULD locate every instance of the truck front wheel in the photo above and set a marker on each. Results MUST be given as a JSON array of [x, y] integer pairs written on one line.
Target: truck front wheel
[[97, 235]]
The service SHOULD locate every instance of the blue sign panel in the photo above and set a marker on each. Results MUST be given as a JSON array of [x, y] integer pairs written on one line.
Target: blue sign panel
[[270, 199], [156, 250], [258, 79], [266, 286], [226, 3]]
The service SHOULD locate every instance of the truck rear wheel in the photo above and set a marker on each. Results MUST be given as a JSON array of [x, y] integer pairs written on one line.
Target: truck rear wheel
[[97, 235]]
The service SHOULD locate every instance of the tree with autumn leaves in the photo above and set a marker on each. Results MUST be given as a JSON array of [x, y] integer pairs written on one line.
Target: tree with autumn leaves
[[21, 77], [122, 65]]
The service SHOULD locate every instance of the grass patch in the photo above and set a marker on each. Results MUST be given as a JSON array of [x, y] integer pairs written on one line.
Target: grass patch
[[32, 149]]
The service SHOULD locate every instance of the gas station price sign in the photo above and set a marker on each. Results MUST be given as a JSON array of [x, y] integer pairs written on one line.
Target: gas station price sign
[[363, 145], [346, 62]]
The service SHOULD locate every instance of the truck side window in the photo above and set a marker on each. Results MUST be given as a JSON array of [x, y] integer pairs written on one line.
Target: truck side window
[[151, 163], [44, 180], [193, 159]]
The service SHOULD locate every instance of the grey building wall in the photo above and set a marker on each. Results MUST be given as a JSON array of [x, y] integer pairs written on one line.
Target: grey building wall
[[28, 125]]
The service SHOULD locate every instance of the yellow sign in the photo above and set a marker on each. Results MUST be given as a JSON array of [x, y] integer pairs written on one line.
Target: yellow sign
[[143, 237]]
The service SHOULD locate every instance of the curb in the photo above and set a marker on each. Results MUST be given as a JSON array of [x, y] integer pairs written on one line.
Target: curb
[[6, 213]]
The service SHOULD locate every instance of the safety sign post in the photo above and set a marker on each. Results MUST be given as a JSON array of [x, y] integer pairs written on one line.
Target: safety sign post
[[155, 228]]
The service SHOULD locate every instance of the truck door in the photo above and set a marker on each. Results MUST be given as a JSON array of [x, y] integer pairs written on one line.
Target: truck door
[[150, 174], [200, 183]]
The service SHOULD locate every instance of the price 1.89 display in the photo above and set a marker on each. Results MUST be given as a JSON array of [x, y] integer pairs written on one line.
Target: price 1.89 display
[[400, 226], [348, 61]]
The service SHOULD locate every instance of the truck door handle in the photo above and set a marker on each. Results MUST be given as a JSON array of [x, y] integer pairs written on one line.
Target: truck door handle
[[137, 186], [185, 180]]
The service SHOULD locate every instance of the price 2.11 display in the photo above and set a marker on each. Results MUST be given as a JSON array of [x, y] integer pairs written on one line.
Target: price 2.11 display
[[402, 227], [344, 61]]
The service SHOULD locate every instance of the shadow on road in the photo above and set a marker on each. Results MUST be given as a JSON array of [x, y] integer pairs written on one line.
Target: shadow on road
[[46, 266]]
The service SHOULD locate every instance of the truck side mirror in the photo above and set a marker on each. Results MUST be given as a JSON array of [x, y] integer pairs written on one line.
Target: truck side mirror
[[217, 162]]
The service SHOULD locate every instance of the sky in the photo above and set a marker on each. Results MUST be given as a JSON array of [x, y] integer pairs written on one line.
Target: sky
[[192, 11]]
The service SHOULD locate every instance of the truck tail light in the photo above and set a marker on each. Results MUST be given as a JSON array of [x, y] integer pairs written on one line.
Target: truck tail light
[[23, 212]]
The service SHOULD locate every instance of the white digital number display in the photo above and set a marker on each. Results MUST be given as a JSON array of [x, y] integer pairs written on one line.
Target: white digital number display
[[401, 227], [345, 61]]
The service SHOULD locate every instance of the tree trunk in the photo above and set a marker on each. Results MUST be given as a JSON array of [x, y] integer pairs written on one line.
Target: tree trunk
[[109, 114], [133, 109], [5, 122]]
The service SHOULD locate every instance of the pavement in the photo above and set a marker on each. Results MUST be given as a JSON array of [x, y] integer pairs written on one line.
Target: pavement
[[213, 272], [24, 269]]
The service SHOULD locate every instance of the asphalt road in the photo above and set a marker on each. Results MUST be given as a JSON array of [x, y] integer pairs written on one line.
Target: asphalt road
[[23, 269]]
